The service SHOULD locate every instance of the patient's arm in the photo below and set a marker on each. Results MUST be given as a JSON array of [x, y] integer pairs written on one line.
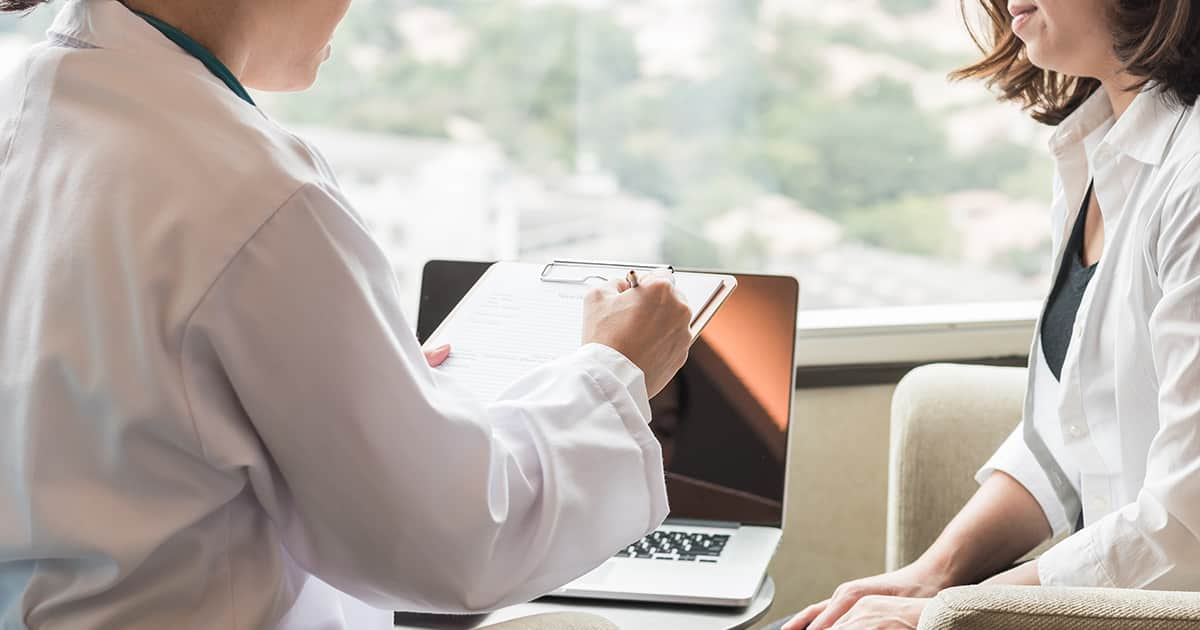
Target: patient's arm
[[998, 526], [1023, 575], [1001, 523]]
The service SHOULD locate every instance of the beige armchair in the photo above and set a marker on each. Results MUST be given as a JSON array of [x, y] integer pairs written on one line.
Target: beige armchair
[[946, 421]]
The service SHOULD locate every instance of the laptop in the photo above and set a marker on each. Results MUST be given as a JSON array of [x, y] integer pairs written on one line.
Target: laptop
[[723, 423]]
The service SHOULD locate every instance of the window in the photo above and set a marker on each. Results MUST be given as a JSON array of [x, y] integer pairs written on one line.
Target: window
[[819, 139]]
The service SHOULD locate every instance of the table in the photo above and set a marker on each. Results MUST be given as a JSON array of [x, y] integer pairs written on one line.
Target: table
[[626, 615]]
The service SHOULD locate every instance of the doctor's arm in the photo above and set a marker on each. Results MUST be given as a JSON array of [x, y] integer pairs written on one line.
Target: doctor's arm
[[387, 481], [1153, 541]]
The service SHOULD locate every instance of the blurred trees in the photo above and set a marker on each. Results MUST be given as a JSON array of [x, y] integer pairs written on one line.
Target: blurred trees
[[561, 87], [905, 7]]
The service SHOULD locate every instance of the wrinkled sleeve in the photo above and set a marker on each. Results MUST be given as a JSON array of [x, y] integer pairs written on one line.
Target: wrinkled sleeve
[[1016, 460], [1153, 542], [393, 484], [1014, 457]]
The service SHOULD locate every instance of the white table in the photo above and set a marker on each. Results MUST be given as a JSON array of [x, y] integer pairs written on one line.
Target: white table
[[627, 616]]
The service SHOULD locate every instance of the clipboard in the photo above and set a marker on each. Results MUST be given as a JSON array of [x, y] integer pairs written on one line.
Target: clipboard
[[569, 271], [519, 316]]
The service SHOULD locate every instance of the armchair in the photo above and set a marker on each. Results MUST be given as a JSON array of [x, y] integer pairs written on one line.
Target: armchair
[[946, 421]]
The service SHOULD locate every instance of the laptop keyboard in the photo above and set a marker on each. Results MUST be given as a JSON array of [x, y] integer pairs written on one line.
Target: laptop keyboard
[[681, 546]]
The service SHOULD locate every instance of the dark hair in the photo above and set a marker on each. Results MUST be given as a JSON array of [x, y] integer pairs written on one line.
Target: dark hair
[[1157, 41], [19, 5]]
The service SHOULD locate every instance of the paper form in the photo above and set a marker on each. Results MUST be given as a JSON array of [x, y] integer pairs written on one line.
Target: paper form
[[512, 322]]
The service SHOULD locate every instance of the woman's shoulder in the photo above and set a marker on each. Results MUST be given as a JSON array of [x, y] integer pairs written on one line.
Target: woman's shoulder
[[169, 117], [1175, 189], [1181, 165], [1186, 144]]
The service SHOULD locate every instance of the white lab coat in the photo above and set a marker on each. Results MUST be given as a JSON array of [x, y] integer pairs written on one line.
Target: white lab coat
[[213, 413], [1124, 422]]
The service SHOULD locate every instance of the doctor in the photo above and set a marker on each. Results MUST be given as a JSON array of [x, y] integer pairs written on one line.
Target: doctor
[[212, 411]]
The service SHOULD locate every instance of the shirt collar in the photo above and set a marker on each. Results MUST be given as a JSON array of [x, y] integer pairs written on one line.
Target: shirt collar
[[110, 25], [202, 54], [1143, 132], [1082, 123]]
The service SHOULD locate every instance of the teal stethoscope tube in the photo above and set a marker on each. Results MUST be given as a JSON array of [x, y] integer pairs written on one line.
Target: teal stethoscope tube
[[193, 48]]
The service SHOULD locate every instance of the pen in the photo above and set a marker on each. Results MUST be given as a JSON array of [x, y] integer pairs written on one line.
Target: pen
[[632, 278]]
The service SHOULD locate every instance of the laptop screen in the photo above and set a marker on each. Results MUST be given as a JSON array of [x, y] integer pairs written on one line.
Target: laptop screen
[[723, 421]]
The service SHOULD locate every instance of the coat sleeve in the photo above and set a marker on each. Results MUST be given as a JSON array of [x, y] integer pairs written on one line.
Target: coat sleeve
[[1016, 460], [390, 482], [1154, 542]]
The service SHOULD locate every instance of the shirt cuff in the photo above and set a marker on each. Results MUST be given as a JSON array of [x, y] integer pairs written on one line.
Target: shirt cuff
[[1014, 459], [606, 365], [1073, 562], [623, 370]]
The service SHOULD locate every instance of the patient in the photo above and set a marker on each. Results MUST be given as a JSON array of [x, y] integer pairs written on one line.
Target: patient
[[1109, 450]]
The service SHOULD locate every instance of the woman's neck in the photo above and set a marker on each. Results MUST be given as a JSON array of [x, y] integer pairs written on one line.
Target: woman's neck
[[1121, 92], [213, 24]]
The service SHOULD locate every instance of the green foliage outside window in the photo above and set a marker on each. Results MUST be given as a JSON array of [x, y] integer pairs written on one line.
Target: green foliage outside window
[[551, 83], [904, 7]]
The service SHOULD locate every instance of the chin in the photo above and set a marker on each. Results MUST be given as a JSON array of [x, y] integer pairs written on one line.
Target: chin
[[299, 84], [293, 83], [1058, 59], [1038, 57], [1035, 57], [292, 79]]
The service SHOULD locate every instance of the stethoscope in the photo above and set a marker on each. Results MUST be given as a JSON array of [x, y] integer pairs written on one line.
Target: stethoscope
[[202, 54]]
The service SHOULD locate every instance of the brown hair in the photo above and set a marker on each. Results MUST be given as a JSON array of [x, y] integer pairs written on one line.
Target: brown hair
[[1155, 40], [19, 5]]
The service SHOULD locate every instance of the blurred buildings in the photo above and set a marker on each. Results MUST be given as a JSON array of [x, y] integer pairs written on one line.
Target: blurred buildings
[[428, 199], [461, 199], [461, 196]]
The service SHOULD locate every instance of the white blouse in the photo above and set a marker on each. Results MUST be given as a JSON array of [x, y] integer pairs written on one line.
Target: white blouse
[[1122, 428], [213, 414]]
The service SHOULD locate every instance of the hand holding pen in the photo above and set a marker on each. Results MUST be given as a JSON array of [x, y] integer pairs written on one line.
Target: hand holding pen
[[632, 278], [634, 281], [648, 326]]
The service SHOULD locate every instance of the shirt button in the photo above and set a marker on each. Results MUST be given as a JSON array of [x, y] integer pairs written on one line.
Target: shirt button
[[1075, 430], [1099, 503]]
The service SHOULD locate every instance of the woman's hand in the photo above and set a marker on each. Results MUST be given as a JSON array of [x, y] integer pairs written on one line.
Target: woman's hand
[[882, 612], [437, 356], [871, 600]]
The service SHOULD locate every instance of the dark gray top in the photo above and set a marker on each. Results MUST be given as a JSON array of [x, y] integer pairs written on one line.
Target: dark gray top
[[1061, 309]]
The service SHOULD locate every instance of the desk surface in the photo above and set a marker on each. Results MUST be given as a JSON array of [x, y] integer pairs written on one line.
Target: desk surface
[[626, 615]]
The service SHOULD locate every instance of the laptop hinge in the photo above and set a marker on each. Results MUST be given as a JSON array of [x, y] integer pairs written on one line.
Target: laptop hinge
[[695, 522]]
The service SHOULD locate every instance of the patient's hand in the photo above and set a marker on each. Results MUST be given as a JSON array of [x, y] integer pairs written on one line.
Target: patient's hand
[[437, 356], [889, 600], [882, 612]]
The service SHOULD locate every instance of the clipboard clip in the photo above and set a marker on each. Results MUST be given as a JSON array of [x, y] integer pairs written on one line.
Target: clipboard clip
[[564, 271]]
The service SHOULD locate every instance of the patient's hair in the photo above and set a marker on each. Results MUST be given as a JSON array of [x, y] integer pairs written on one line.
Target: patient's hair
[[1157, 40], [19, 5]]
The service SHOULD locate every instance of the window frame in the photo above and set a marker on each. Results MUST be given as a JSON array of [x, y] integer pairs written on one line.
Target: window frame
[[841, 347]]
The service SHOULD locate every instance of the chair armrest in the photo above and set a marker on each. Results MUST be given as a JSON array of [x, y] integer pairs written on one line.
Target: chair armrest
[[1055, 608], [556, 621], [946, 421]]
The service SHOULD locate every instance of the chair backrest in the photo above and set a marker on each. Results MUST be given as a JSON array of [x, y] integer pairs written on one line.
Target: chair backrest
[[946, 421]]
